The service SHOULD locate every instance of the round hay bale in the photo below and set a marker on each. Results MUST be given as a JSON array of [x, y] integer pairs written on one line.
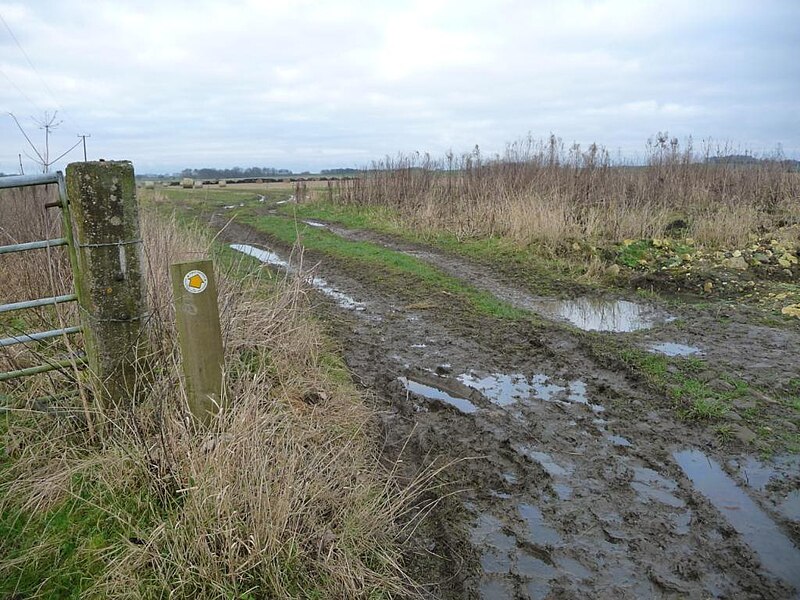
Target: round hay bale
[[149, 185], [187, 183], [222, 183], [198, 185]]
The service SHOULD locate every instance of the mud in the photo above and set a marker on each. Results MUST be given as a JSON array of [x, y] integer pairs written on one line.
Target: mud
[[586, 313], [674, 349], [574, 479]]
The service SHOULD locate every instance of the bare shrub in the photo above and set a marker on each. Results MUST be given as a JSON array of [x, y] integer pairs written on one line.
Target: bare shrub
[[542, 192]]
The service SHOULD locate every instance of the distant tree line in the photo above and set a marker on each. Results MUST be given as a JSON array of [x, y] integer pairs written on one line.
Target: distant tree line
[[234, 173], [341, 171], [746, 159]]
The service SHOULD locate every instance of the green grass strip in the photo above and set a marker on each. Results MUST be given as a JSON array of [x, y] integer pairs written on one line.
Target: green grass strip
[[384, 261]]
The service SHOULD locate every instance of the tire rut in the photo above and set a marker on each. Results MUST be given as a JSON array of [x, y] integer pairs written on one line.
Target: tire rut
[[570, 486]]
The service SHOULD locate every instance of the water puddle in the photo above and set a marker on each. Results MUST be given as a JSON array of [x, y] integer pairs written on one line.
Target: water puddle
[[755, 473], [540, 533], [790, 507], [673, 349], [618, 440], [342, 299], [578, 395], [496, 590], [653, 487], [539, 572], [573, 568], [758, 474], [682, 522], [596, 314], [544, 390], [777, 552], [563, 491], [433, 393], [548, 463], [271, 258], [505, 389], [488, 533], [557, 471], [265, 256], [500, 389]]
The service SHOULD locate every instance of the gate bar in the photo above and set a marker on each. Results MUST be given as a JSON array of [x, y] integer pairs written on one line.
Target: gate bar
[[61, 364], [28, 180], [33, 245], [24, 338], [40, 302]]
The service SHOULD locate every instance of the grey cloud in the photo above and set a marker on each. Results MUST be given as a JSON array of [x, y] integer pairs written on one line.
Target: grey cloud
[[313, 85]]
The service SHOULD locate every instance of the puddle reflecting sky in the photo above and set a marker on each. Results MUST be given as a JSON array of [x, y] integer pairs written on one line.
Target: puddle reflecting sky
[[651, 486], [504, 389], [777, 552], [618, 440], [790, 507], [272, 258], [433, 393], [540, 533], [595, 314], [264, 256], [673, 349], [499, 388]]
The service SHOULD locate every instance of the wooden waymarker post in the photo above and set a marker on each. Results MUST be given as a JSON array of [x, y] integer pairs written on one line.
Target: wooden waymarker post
[[199, 335]]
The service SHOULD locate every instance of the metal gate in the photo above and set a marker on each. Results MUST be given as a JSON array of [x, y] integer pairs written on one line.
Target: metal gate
[[28, 337]]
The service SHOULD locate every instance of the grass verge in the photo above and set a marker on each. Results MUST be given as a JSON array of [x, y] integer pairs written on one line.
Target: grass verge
[[285, 496]]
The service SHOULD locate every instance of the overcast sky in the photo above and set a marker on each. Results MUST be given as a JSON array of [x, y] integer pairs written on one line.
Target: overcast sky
[[315, 84]]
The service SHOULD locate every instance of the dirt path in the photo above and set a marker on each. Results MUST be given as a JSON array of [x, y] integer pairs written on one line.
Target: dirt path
[[578, 483]]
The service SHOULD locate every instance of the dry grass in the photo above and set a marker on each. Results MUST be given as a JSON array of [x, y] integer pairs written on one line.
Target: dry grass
[[539, 192], [285, 496], [30, 275]]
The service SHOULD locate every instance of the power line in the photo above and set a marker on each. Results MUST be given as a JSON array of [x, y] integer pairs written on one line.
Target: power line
[[48, 123], [38, 74], [27, 138], [55, 160], [23, 94]]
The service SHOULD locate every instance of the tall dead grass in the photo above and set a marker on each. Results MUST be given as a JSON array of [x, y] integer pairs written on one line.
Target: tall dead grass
[[542, 192], [30, 275], [284, 497]]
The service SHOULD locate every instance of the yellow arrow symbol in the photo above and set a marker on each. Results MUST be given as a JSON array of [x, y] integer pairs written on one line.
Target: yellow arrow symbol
[[195, 281]]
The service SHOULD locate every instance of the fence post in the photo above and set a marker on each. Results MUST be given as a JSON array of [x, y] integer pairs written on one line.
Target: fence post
[[197, 318], [108, 278]]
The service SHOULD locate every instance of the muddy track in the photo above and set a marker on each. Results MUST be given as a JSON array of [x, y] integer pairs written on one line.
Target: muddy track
[[578, 483]]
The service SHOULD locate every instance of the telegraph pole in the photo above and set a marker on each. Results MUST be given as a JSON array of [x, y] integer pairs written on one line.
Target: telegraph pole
[[48, 123], [83, 136]]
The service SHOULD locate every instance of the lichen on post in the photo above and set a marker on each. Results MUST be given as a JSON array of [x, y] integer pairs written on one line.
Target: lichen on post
[[112, 289]]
